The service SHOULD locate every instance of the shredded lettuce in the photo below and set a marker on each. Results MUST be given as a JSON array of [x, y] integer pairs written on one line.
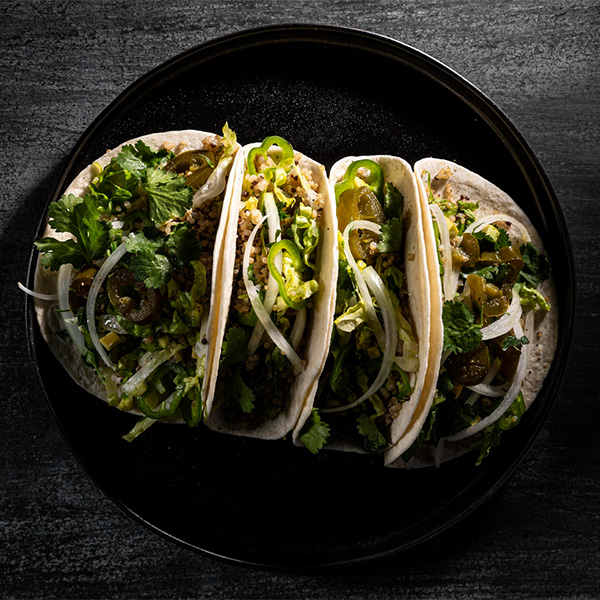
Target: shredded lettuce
[[352, 318], [296, 288]]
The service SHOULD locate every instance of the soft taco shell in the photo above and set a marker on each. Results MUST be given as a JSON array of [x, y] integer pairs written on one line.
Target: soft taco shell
[[492, 200], [318, 324], [399, 173], [46, 280]]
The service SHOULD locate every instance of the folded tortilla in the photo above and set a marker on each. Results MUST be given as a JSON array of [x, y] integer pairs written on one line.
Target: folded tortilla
[[492, 201], [318, 324], [46, 281], [398, 173]]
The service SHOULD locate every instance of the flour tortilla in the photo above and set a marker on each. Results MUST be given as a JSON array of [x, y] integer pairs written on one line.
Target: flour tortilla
[[46, 281], [492, 200], [319, 323], [399, 173]]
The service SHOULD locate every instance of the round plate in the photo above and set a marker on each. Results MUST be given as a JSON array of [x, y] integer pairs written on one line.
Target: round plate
[[331, 92]]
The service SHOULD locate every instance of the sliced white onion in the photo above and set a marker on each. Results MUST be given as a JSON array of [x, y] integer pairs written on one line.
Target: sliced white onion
[[408, 364], [486, 382], [512, 393], [298, 328], [90, 307], [145, 358], [381, 294], [259, 309], [38, 295], [506, 322], [360, 282], [450, 277], [199, 348], [523, 236], [466, 293], [110, 384], [155, 360], [491, 391], [69, 320], [215, 184], [272, 287]]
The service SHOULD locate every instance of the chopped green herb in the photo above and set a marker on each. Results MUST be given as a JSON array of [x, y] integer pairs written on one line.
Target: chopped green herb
[[460, 332], [315, 432]]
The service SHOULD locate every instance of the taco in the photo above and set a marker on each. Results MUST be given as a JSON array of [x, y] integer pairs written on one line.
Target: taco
[[493, 317], [278, 284], [377, 360], [126, 279]]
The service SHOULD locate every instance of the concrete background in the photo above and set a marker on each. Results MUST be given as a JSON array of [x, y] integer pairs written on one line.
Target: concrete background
[[61, 63]]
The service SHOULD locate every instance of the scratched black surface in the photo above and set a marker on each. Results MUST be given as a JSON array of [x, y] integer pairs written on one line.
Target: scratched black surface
[[61, 65]]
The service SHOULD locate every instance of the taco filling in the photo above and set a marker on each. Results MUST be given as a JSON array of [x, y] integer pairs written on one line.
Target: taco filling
[[489, 272], [374, 355], [275, 283], [134, 256]]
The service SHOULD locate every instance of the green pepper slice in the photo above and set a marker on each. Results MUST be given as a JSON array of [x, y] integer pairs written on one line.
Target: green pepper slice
[[374, 181], [156, 387], [263, 149], [298, 264], [191, 407]]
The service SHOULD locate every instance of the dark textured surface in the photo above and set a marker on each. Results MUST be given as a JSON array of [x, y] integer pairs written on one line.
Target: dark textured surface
[[61, 63]]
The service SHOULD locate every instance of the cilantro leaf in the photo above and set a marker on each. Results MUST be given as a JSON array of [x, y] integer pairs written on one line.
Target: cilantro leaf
[[136, 159], [511, 340], [393, 202], [315, 432], [168, 195], [154, 270], [182, 245], [140, 243], [390, 238], [234, 347], [246, 396], [536, 266], [149, 267], [81, 218], [61, 213], [129, 160], [372, 437], [56, 253], [495, 274], [460, 333]]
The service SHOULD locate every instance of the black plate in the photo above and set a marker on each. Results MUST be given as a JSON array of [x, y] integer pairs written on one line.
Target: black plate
[[331, 92]]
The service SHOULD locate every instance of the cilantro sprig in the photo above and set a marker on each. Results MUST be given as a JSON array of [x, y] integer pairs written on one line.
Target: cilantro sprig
[[315, 432], [132, 188], [536, 266], [81, 218], [461, 334]]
